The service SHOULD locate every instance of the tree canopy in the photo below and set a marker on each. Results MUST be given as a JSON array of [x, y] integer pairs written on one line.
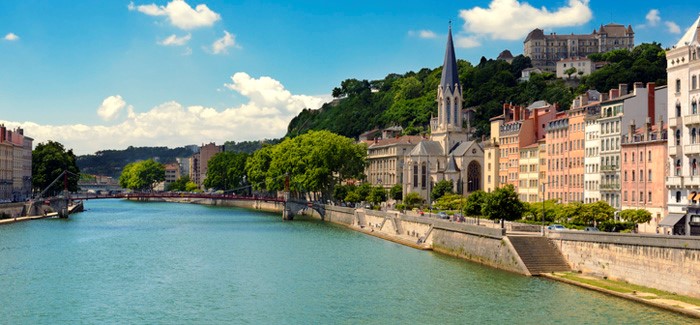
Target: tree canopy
[[142, 175], [49, 160], [314, 162], [225, 170], [503, 203]]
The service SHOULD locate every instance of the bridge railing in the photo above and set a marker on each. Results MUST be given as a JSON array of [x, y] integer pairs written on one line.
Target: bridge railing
[[165, 195]]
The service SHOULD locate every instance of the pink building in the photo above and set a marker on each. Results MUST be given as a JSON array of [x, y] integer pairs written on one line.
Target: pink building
[[644, 151]]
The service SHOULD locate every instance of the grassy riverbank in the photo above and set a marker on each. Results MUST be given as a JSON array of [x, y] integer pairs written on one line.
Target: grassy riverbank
[[658, 298]]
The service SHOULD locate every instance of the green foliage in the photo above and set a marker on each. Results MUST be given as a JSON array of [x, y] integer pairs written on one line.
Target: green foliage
[[450, 202], [413, 200], [314, 162], [475, 202], [570, 71], [396, 192], [377, 194], [340, 192], [111, 162], [503, 203], [645, 63], [179, 185], [441, 188], [225, 170], [615, 226], [353, 197], [533, 211], [142, 175], [635, 216], [248, 147], [49, 160]]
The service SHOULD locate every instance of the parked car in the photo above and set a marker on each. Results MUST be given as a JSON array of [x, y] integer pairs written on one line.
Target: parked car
[[443, 215], [591, 229], [556, 227]]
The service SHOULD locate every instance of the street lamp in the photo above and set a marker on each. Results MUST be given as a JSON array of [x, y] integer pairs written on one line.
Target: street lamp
[[543, 209]]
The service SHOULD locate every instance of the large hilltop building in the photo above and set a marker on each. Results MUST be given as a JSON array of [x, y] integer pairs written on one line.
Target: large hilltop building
[[545, 50]]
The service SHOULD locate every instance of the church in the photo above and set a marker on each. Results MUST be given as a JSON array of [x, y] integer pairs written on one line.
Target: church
[[417, 162], [448, 154]]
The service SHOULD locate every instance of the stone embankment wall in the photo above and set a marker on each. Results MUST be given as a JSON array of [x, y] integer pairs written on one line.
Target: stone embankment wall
[[669, 263]]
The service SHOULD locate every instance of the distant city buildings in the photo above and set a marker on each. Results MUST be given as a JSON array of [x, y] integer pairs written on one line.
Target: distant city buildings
[[15, 165], [198, 162], [546, 50]]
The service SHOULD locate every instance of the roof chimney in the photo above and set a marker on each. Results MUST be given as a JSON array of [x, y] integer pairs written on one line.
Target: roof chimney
[[614, 93], [623, 89], [651, 101], [516, 113], [632, 128]]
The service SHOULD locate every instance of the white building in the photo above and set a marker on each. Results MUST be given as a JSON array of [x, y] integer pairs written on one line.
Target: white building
[[683, 182], [583, 66]]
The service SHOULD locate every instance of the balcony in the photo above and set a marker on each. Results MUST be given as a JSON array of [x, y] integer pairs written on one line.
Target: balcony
[[673, 150], [691, 119], [691, 180], [673, 122], [691, 149], [611, 186], [608, 168], [674, 181]]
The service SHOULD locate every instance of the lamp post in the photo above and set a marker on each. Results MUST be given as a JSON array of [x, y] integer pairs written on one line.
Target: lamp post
[[543, 209]]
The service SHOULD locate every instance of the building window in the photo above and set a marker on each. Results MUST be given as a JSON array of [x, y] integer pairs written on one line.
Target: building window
[[649, 155], [694, 80], [649, 198], [423, 176], [633, 175], [694, 106], [678, 137], [633, 158], [641, 175], [641, 197], [649, 176], [415, 175], [678, 85], [678, 196], [678, 167], [694, 167], [625, 180]]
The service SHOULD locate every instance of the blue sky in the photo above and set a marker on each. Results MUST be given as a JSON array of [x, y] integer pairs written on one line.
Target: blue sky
[[96, 74]]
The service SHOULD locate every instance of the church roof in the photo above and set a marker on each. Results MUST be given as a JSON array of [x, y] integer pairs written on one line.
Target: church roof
[[450, 77], [427, 148], [451, 165], [692, 36], [464, 147]]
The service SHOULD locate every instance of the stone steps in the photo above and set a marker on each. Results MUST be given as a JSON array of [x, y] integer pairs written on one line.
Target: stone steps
[[539, 254]]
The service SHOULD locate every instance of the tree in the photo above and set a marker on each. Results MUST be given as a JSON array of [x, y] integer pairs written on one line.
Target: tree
[[257, 166], [474, 203], [142, 175], [570, 71], [49, 160], [441, 188], [178, 185], [377, 195], [635, 215], [413, 200], [503, 203], [225, 170], [340, 192], [396, 192], [450, 202]]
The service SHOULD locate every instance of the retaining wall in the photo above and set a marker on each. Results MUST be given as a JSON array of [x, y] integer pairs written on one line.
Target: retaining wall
[[669, 263]]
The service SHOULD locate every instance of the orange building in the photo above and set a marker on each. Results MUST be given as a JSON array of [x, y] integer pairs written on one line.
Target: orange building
[[644, 151], [522, 127]]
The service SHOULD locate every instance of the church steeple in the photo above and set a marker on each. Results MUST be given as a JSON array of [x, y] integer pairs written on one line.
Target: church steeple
[[450, 77]]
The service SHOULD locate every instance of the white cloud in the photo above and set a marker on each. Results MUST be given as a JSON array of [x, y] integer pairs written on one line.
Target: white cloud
[[188, 51], [266, 114], [180, 14], [11, 37], [513, 20], [111, 107], [653, 17], [673, 28], [220, 45], [173, 40], [466, 41], [423, 33]]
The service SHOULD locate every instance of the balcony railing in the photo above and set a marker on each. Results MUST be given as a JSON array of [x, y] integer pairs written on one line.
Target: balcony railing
[[673, 150], [691, 180], [691, 119], [691, 149], [608, 168], [611, 186], [674, 181], [673, 122]]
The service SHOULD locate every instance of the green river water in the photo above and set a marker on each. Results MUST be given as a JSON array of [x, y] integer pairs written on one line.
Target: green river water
[[165, 263]]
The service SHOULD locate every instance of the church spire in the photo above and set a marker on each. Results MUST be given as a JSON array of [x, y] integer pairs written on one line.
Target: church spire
[[450, 77]]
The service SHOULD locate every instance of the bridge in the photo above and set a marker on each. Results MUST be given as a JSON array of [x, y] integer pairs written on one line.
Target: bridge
[[292, 206]]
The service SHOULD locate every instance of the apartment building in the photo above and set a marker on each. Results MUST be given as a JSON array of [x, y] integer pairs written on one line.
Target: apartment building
[[15, 165], [683, 72], [385, 159], [529, 174], [492, 155], [643, 177]]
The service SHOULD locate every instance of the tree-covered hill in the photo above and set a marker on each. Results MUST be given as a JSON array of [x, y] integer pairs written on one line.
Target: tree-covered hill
[[408, 100], [111, 162]]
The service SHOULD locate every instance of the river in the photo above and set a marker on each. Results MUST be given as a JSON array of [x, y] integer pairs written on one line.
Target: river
[[135, 262]]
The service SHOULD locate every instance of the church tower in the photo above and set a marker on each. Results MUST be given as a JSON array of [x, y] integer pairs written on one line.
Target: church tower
[[447, 127]]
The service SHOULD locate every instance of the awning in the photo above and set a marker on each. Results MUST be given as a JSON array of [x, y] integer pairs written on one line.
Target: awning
[[671, 220], [697, 197], [691, 196]]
